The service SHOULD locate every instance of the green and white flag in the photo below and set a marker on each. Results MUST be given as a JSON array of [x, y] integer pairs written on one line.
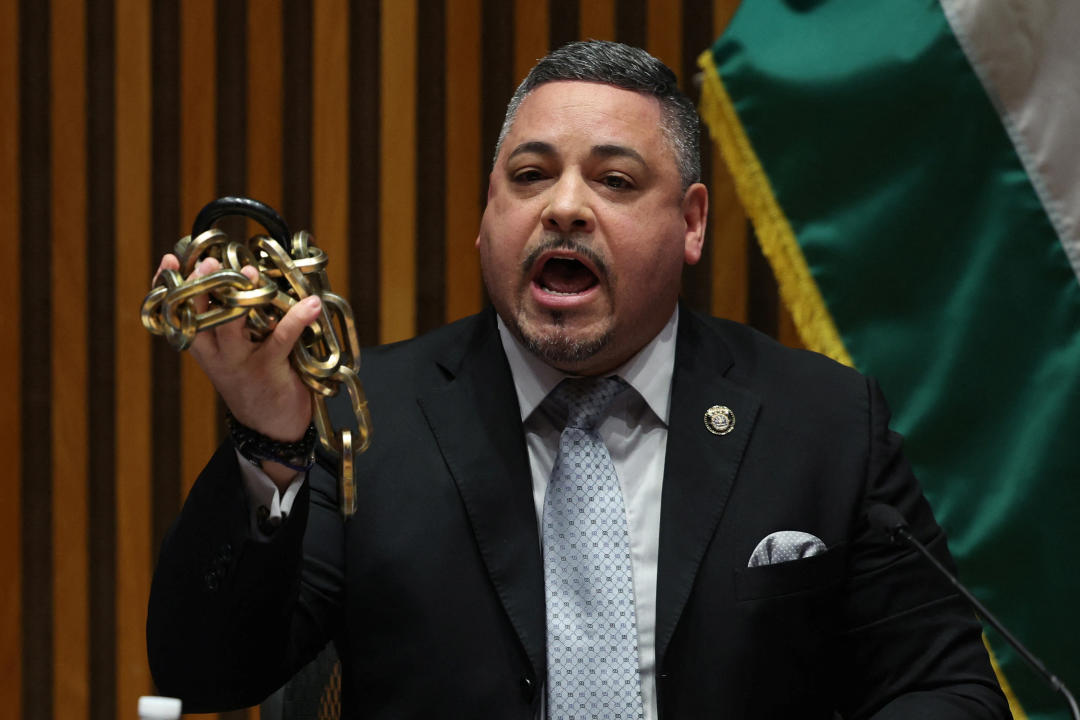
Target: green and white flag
[[912, 169]]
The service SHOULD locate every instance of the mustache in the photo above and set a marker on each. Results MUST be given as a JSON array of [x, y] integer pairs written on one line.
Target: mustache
[[573, 243]]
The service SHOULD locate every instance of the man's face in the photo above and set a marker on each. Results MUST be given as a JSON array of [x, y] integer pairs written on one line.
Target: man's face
[[586, 229]]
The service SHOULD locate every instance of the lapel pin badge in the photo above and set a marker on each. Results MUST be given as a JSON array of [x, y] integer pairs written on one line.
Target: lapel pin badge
[[719, 420]]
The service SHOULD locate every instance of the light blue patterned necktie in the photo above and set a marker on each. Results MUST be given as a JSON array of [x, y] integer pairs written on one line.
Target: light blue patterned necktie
[[592, 650]]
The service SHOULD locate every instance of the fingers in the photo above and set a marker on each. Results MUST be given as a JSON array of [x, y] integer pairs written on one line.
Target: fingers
[[256, 380], [229, 346], [206, 343], [281, 341], [168, 262]]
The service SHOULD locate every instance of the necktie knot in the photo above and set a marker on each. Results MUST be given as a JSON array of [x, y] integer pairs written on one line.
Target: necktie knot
[[585, 399]]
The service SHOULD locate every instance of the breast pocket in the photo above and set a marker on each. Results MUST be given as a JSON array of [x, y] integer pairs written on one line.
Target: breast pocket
[[808, 575]]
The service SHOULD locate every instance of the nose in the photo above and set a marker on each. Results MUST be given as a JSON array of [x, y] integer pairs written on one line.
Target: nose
[[568, 208]]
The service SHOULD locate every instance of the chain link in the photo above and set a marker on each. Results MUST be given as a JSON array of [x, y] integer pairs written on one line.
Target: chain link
[[327, 355]]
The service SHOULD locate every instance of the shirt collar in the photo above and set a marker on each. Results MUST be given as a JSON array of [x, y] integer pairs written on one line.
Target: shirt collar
[[649, 371]]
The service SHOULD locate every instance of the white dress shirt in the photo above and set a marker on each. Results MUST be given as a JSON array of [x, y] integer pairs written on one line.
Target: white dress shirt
[[635, 433]]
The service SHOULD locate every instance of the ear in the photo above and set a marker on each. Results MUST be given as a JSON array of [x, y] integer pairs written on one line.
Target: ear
[[490, 190], [695, 209]]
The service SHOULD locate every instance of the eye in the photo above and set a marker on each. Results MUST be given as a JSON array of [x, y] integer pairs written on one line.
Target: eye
[[527, 175], [617, 182]]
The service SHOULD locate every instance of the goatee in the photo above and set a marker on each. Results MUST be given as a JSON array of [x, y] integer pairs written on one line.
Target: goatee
[[555, 345]]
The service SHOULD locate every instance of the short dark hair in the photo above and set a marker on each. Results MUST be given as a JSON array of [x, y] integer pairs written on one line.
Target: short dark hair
[[624, 67]]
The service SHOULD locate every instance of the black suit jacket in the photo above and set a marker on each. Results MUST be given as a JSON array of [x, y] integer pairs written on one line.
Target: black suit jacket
[[433, 591]]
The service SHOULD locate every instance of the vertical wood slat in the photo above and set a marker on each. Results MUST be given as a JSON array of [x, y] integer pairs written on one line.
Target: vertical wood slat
[[69, 363], [497, 60], [464, 176], [10, 370], [397, 237], [330, 137], [198, 160], [663, 33], [296, 111], [564, 25], [264, 101], [230, 35], [695, 33], [365, 192], [133, 462], [729, 236], [531, 22], [34, 341], [165, 415], [597, 20], [630, 22], [101, 279], [430, 205]]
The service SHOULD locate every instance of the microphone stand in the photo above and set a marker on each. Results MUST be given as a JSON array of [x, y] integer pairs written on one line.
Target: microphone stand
[[895, 525]]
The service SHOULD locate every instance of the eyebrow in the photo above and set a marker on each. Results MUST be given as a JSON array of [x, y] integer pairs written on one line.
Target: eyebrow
[[610, 151], [540, 147], [533, 146]]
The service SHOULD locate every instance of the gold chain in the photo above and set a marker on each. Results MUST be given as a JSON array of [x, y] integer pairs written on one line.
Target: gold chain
[[327, 355]]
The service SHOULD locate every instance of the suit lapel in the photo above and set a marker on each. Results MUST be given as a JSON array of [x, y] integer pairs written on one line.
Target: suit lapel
[[476, 422], [700, 467]]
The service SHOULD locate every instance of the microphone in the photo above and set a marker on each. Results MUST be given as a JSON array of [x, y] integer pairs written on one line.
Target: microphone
[[888, 520]]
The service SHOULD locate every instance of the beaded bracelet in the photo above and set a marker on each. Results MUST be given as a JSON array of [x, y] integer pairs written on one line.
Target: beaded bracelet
[[258, 448]]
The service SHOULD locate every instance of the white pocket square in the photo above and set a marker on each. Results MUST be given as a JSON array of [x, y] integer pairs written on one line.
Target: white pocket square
[[785, 546]]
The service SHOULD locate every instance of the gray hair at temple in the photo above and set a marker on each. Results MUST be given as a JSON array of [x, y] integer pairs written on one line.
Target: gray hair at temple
[[624, 67]]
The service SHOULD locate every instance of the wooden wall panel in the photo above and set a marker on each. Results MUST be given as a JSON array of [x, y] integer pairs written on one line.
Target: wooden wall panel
[[133, 264], [365, 171], [465, 176], [598, 20], [429, 157], [198, 160], [531, 32], [265, 98], [35, 271], [71, 690], [165, 370], [101, 279], [330, 136], [397, 209], [564, 23], [371, 123], [10, 370], [663, 38]]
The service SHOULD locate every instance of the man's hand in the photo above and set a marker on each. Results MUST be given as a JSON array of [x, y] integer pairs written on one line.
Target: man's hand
[[255, 379]]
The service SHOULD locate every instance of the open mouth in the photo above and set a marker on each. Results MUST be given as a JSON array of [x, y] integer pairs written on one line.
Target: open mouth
[[565, 276]]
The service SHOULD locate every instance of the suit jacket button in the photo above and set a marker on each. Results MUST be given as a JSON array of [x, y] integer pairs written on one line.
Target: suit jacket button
[[211, 580], [528, 688]]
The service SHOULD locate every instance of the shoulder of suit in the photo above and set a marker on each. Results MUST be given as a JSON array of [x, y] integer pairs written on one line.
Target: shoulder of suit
[[759, 360], [421, 352]]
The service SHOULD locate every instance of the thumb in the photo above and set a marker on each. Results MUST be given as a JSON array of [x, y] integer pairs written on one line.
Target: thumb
[[304, 313]]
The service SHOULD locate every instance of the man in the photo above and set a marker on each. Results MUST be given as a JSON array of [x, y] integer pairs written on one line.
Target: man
[[446, 593]]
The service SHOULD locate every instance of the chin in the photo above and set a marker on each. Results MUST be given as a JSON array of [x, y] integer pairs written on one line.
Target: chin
[[558, 345]]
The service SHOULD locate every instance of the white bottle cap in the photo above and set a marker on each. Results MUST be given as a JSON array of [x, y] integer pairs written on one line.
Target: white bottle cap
[[159, 708]]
